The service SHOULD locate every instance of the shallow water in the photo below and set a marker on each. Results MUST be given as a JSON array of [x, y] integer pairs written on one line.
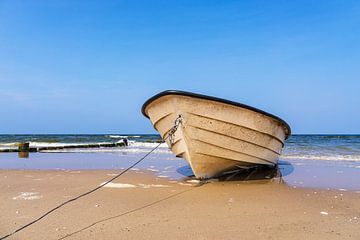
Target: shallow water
[[343, 175], [306, 147], [322, 161], [323, 147]]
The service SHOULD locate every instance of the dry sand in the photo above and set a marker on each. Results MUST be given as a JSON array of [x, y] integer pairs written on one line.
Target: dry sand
[[143, 206]]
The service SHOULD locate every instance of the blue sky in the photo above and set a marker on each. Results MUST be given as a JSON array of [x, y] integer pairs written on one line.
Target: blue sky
[[87, 66]]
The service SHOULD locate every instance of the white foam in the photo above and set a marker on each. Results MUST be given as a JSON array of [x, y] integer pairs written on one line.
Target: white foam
[[185, 184], [119, 185], [52, 144], [6, 146], [152, 169], [12, 144], [323, 157], [116, 136], [193, 181], [153, 185], [28, 196], [123, 136], [134, 147], [128, 185]]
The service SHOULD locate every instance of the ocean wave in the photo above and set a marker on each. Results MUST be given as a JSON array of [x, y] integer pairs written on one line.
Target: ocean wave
[[354, 158], [339, 136], [122, 136], [51, 144], [143, 147], [8, 146], [4, 146], [302, 147], [108, 150], [146, 144], [116, 136], [134, 147], [12, 144]]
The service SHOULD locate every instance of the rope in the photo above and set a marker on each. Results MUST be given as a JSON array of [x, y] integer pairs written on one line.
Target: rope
[[172, 131], [170, 135], [126, 213]]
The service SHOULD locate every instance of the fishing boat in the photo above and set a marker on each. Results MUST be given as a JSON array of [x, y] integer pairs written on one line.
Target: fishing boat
[[215, 135]]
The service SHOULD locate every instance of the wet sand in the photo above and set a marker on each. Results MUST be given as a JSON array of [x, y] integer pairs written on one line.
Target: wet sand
[[143, 204]]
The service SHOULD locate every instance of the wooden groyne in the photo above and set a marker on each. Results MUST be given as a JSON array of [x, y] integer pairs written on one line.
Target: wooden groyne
[[25, 147]]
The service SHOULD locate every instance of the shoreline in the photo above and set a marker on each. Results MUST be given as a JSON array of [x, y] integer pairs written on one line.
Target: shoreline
[[144, 205], [298, 173], [160, 199]]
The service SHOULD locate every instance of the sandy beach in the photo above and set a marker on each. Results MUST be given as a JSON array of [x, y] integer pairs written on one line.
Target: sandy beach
[[142, 205], [200, 120]]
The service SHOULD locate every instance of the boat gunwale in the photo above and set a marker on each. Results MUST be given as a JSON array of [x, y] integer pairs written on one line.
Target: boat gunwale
[[221, 100]]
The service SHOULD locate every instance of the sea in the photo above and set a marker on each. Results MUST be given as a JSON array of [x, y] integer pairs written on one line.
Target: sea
[[321, 161], [306, 147]]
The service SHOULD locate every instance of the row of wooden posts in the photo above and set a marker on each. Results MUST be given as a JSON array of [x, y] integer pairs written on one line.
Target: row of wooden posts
[[24, 148]]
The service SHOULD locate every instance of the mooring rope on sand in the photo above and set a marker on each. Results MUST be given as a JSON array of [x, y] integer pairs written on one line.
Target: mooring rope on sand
[[170, 136]]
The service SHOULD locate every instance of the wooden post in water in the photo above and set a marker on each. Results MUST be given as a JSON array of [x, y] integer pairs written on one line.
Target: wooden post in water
[[23, 150], [24, 146]]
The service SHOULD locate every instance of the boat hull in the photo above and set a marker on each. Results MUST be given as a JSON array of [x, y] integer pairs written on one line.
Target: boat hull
[[216, 136]]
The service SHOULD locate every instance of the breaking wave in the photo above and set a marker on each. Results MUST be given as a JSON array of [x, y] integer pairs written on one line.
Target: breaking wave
[[302, 147]]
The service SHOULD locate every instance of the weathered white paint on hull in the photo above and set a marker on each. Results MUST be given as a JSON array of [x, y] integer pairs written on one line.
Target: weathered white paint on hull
[[216, 136]]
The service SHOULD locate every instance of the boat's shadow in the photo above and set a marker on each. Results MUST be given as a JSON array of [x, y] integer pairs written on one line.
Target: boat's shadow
[[284, 168]]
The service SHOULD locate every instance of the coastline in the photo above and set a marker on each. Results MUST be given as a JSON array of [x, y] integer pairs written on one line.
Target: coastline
[[157, 201], [165, 209], [323, 174], [314, 193]]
